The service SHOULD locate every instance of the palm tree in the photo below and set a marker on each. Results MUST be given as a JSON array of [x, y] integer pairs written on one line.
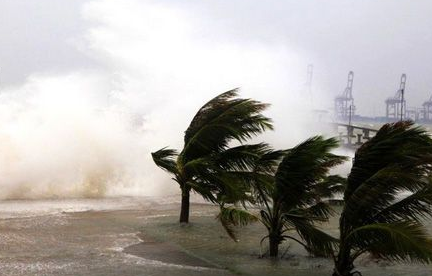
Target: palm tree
[[387, 197], [203, 164], [288, 188]]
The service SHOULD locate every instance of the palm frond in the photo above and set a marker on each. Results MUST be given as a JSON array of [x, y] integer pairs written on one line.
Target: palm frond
[[208, 111], [302, 167], [231, 217], [399, 241], [204, 188], [231, 173], [330, 185], [399, 144], [320, 211], [380, 191], [166, 159], [269, 161], [235, 187], [240, 158], [416, 206], [222, 120], [318, 242], [263, 171]]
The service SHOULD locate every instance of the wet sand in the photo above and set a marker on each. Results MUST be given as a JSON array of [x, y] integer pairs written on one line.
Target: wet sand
[[165, 252], [143, 237], [94, 242]]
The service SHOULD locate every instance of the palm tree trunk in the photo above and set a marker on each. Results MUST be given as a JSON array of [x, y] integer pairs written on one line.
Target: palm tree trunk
[[274, 246], [184, 211], [344, 265]]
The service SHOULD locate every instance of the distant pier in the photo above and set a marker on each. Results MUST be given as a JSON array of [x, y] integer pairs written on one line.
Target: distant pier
[[352, 136]]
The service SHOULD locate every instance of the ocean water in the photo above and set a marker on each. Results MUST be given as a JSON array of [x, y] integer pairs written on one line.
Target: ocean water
[[141, 236]]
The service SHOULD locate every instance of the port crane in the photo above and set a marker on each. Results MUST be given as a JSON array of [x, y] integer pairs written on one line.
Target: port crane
[[344, 104], [396, 105]]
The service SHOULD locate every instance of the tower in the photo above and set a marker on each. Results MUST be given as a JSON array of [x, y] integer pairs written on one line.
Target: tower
[[396, 105], [344, 104]]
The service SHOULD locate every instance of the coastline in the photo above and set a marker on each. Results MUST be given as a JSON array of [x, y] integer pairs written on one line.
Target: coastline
[[165, 252], [147, 240], [91, 237]]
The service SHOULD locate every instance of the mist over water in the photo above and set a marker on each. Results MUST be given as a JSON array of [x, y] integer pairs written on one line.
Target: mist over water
[[59, 138], [89, 132]]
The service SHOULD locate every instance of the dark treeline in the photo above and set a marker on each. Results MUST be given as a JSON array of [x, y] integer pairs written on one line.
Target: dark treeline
[[387, 195]]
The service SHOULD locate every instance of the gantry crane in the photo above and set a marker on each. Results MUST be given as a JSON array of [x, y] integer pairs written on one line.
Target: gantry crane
[[344, 104], [396, 105], [427, 110]]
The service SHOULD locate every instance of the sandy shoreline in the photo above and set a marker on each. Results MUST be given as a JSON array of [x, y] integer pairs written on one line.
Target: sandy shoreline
[[166, 252], [146, 239], [91, 242]]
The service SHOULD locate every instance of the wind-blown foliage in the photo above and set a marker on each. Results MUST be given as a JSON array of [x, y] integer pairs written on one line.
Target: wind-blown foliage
[[288, 187], [207, 164], [388, 194]]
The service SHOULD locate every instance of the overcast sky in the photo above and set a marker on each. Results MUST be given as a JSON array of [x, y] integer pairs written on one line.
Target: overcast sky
[[378, 40]]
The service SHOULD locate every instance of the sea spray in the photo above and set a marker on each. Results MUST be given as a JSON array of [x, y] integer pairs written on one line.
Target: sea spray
[[89, 132], [58, 138]]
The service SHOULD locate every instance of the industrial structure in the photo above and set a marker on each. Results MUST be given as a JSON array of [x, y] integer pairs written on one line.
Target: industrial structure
[[354, 129], [396, 105], [413, 114], [344, 104], [427, 111], [351, 136]]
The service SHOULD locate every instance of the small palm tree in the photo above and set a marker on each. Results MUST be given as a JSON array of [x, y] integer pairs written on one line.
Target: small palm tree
[[207, 162], [387, 196], [288, 188]]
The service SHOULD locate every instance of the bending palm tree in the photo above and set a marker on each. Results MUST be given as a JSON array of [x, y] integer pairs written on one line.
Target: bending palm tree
[[386, 198], [206, 155], [289, 187]]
